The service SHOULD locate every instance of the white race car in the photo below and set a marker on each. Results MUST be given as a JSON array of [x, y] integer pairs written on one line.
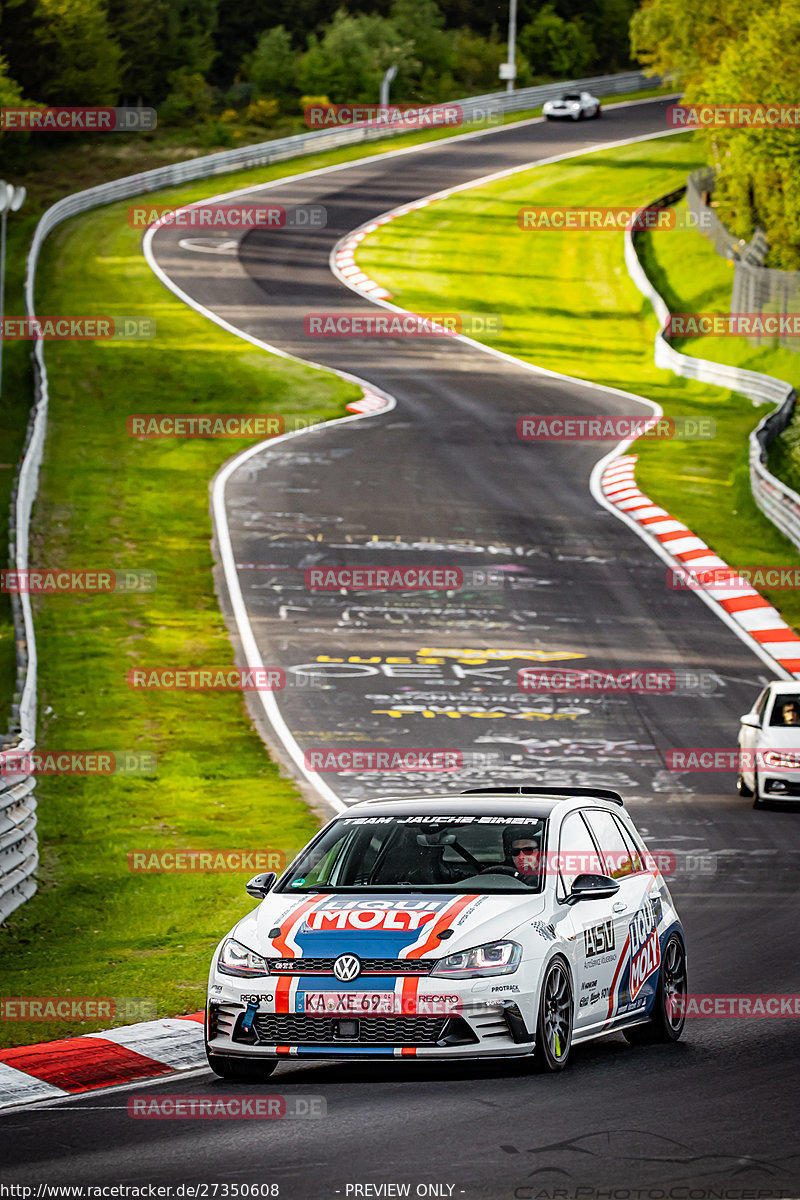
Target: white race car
[[495, 922], [769, 742], [572, 105]]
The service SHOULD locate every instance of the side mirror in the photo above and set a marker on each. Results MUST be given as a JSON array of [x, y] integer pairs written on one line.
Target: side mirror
[[751, 721], [592, 887], [260, 885]]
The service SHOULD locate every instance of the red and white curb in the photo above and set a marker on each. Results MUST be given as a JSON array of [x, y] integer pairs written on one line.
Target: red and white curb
[[343, 257], [744, 605], [53, 1070]]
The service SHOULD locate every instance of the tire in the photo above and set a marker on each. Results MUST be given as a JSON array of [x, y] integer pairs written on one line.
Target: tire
[[742, 788], [241, 1070], [554, 1025], [662, 1027], [598, 112], [580, 116]]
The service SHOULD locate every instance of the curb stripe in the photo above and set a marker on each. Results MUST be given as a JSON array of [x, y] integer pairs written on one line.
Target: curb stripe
[[754, 615]]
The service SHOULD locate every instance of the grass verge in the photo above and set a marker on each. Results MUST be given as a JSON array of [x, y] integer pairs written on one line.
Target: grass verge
[[568, 304]]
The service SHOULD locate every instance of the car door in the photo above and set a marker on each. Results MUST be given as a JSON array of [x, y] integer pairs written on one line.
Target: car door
[[591, 922]]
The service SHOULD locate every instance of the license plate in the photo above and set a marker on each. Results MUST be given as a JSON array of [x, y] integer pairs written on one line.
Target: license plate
[[325, 1004], [366, 1004]]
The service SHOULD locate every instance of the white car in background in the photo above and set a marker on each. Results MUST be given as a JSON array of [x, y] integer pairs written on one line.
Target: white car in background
[[493, 923], [573, 106], [769, 737]]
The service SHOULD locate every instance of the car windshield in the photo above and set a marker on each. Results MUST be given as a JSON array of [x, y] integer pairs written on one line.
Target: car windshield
[[571, 96], [408, 854], [786, 710]]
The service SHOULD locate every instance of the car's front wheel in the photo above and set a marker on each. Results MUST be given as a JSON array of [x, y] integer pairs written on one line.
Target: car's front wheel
[[742, 788], [668, 1017], [554, 1026], [241, 1070]]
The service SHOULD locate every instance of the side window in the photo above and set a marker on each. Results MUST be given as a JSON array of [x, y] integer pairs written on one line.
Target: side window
[[637, 858], [577, 853], [616, 855]]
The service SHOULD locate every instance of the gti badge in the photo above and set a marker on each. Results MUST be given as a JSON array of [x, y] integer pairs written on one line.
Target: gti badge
[[347, 967]]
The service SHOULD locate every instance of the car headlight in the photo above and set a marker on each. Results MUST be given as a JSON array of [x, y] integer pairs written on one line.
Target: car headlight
[[495, 958], [236, 959], [781, 760]]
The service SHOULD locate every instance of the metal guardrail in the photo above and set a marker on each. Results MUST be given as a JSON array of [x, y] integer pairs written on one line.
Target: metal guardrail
[[18, 842], [777, 502]]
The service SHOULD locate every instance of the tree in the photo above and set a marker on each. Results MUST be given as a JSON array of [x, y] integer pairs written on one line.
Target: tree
[[476, 61], [555, 47], [348, 60], [160, 37], [685, 37], [62, 51], [272, 67]]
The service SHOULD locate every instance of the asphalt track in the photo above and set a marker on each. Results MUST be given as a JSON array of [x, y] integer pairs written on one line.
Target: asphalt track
[[443, 480]]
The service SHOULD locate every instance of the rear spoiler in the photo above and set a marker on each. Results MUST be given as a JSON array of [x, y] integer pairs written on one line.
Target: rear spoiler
[[595, 793]]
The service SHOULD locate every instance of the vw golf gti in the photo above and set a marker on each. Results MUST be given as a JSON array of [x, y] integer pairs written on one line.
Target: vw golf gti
[[495, 922]]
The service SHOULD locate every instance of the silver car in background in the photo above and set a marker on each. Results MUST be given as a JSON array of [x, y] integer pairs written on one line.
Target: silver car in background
[[769, 741], [572, 106]]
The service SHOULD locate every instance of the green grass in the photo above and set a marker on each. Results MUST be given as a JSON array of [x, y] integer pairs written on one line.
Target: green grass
[[568, 304]]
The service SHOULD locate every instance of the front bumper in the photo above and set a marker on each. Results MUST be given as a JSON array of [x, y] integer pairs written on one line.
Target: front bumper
[[479, 1025]]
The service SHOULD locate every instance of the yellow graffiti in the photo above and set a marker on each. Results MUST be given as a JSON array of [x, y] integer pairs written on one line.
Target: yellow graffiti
[[482, 656], [528, 714]]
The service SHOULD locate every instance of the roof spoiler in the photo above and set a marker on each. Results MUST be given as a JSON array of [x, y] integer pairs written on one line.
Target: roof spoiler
[[595, 793]]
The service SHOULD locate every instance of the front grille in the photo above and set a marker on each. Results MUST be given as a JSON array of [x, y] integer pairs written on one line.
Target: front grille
[[369, 966], [296, 1028]]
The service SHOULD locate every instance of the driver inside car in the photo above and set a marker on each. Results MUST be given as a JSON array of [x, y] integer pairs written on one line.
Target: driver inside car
[[522, 849]]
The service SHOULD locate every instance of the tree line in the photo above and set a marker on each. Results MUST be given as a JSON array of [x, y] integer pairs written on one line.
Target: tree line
[[194, 58], [732, 52]]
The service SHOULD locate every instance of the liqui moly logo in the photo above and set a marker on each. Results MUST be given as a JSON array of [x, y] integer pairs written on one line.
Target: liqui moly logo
[[361, 915], [645, 947]]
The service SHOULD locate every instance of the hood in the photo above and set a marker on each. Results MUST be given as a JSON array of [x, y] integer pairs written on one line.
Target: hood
[[783, 737], [381, 926]]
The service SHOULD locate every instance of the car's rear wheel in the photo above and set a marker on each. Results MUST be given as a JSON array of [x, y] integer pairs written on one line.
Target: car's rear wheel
[[241, 1070], [742, 788], [666, 1024], [598, 111], [554, 1026]]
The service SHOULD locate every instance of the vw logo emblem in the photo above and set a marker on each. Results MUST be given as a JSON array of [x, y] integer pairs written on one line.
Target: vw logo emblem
[[347, 967]]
